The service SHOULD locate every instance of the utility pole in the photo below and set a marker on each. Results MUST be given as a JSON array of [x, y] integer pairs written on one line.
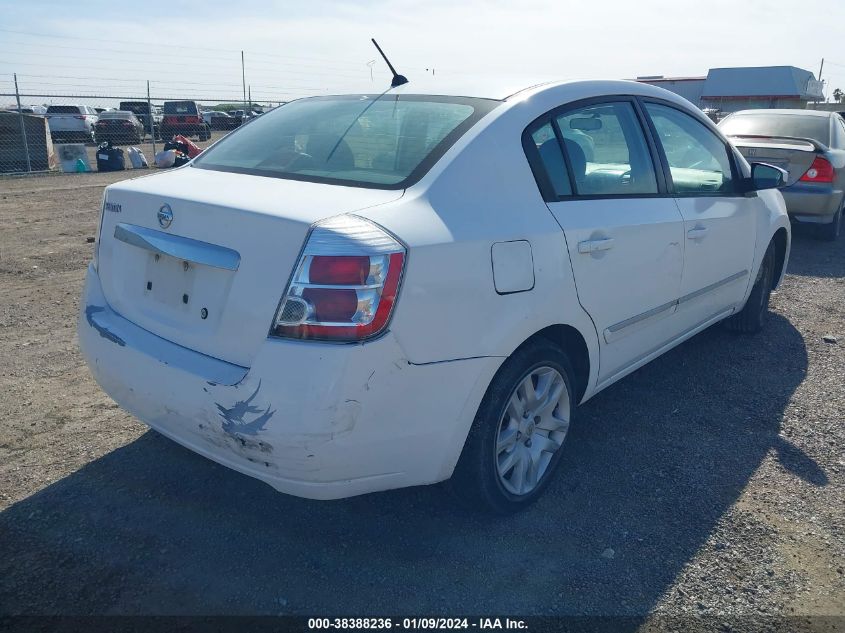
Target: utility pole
[[23, 125], [821, 68], [243, 78], [249, 90], [152, 119]]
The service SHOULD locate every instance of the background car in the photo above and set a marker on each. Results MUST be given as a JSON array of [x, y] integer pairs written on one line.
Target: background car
[[218, 120], [72, 123], [119, 126], [810, 146], [141, 109], [183, 117], [377, 234]]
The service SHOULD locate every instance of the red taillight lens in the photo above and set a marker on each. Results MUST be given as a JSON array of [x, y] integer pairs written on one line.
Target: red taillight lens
[[342, 297], [332, 305], [820, 171], [347, 271]]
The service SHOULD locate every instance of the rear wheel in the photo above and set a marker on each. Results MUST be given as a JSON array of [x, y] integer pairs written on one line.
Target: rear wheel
[[513, 447], [753, 315], [830, 232]]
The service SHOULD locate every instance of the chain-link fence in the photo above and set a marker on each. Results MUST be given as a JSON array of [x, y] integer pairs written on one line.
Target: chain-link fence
[[43, 132]]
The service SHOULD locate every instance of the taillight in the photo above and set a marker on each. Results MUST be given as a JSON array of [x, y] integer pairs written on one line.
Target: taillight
[[78, 116], [820, 171], [345, 283]]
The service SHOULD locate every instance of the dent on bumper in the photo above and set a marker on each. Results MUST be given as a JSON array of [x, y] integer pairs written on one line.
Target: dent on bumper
[[315, 420]]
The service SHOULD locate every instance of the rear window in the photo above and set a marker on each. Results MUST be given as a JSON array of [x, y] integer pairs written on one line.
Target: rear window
[[63, 109], [115, 115], [180, 107], [814, 127], [386, 141], [136, 107]]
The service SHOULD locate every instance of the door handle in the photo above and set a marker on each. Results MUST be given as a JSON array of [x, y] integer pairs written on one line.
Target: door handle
[[591, 246], [697, 233]]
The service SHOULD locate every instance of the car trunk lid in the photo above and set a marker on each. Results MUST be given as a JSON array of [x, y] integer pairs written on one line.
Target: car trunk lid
[[211, 278], [795, 155]]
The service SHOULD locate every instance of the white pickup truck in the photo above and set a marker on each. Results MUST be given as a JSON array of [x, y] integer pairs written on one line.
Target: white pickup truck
[[71, 123]]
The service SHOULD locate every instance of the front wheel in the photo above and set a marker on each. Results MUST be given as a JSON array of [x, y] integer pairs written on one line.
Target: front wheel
[[753, 315], [514, 444]]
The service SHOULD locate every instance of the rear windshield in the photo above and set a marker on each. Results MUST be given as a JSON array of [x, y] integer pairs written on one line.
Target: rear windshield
[[59, 109], [136, 107], [180, 107], [116, 115], [386, 141], [814, 127]]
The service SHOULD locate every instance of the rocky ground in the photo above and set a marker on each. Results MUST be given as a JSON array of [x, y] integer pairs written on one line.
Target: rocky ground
[[709, 483]]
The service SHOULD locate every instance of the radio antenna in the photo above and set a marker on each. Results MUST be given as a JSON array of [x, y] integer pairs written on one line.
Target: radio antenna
[[398, 79]]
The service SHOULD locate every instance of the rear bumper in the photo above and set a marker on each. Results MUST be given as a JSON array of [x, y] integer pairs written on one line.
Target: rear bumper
[[314, 420], [812, 202]]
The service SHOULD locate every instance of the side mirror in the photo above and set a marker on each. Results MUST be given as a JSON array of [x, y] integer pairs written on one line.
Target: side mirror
[[765, 176]]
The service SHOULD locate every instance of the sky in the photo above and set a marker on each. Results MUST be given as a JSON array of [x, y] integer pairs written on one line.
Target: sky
[[190, 49]]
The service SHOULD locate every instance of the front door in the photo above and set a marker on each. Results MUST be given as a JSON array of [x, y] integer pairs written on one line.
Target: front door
[[719, 222]]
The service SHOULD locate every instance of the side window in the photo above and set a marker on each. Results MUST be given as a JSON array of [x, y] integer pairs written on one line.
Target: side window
[[607, 150], [698, 159], [551, 159]]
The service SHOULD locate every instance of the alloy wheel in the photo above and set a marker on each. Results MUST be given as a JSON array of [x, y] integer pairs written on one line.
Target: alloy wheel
[[532, 429]]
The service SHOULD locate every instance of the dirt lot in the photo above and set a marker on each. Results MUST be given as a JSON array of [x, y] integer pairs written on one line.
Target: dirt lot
[[711, 481]]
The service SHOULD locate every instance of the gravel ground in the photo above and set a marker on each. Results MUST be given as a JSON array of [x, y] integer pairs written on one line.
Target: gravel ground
[[710, 482]]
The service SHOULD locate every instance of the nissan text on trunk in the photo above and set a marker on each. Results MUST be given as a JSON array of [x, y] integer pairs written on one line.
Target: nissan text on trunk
[[362, 292]]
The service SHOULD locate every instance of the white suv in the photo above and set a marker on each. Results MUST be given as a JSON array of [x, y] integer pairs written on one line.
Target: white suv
[[364, 292], [72, 123]]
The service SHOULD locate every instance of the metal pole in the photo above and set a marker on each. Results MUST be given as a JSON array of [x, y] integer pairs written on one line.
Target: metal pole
[[152, 119], [243, 78], [821, 68], [23, 125], [249, 92]]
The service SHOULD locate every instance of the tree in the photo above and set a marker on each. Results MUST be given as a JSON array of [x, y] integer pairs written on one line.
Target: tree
[[838, 95]]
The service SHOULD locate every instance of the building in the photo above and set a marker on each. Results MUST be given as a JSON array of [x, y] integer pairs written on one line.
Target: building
[[732, 89], [690, 88]]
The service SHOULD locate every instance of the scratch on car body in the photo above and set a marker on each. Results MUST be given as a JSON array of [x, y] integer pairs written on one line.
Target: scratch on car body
[[90, 311], [233, 417]]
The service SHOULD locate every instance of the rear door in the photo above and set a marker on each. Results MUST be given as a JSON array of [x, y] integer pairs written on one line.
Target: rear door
[[719, 221], [624, 234]]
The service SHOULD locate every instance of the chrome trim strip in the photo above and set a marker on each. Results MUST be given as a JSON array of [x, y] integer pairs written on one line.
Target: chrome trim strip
[[613, 329], [180, 247], [618, 329], [642, 359], [712, 287]]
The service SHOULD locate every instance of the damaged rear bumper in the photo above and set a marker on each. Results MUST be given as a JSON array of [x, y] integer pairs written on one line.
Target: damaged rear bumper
[[314, 420]]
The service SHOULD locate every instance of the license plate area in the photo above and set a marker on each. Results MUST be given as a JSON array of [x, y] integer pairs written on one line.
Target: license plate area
[[170, 281], [180, 293]]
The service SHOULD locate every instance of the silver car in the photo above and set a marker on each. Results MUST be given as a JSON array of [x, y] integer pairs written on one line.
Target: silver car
[[810, 146]]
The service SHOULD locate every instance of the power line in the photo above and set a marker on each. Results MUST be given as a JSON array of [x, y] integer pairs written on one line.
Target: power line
[[207, 58], [179, 73], [296, 58]]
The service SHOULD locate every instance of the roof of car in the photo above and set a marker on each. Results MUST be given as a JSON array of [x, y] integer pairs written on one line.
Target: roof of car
[[117, 114], [818, 113], [502, 88]]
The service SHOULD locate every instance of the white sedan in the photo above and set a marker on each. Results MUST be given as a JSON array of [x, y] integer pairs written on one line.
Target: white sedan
[[362, 292]]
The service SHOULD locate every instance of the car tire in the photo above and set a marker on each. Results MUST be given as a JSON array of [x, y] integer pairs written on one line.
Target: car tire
[[830, 232], [515, 443], [753, 315]]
